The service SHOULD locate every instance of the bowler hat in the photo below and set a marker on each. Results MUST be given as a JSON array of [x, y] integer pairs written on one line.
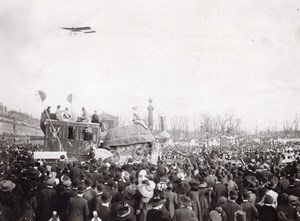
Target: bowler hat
[[81, 189], [50, 182], [106, 197], [7, 185]]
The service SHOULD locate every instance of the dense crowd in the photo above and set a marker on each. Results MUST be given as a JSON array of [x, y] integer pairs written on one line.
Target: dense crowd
[[200, 187]]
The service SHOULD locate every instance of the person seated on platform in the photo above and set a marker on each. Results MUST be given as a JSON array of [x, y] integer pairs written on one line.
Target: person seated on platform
[[58, 113], [84, 116], [66, 115], [95, 119]]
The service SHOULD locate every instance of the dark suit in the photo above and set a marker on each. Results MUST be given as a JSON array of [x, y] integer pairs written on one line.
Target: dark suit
[[75, 173], [104, 213], [219, 190], [230, 208], [46, 203], [77, 209], [183, 214], [251, 211]]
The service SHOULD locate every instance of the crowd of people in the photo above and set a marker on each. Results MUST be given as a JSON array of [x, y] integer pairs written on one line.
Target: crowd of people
[[196, 188]]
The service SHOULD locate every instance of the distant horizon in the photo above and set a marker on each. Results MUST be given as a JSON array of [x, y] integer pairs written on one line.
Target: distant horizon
[[156, 116]]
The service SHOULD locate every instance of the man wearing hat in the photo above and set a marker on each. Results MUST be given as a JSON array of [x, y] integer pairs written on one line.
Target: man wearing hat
[[10, 199], [63, 199], [231, 206], [104, 210], [219, 189], [185, 212], [249, 208], [267, 211], [123, 212], [130, 196], [78, 209], [157, 212], [96, 201], [47, 201]]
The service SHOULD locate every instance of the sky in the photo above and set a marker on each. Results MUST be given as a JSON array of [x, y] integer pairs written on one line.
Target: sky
[[191, 57]]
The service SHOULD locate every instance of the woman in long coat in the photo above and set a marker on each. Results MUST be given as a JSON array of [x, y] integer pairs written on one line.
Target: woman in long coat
[[193, 194]]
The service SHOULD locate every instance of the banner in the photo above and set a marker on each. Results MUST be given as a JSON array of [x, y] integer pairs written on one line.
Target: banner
[[42, 95], [70, 98]]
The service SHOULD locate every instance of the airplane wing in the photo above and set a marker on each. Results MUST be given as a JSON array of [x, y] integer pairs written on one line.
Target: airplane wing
[[82, 28], [70, 29], [77, 29], [88, 32]]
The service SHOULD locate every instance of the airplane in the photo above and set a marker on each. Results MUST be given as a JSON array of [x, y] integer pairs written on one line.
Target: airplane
[[85, 29]]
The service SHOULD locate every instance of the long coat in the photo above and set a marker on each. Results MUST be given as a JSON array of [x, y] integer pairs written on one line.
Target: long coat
[[194, 195], [46, 203], [172, 199], [219, 190], [77, 209]]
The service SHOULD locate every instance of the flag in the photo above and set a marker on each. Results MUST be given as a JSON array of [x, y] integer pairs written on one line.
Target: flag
[[70, 98], [42, 95]]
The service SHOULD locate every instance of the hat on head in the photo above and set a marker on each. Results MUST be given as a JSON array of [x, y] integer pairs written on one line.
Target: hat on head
[[33, 174], [146, 190], [100, 187], [268, 200], [7, 185], [122, 211], [223, 200], [194, 184], [50, 182], [215, 216], [157, 200], [233, 194], [111, 183], [186, 201], [88, 182], [106, 197], [143, 173], [131, 189], [81, 189], [67, 183], [64, 178], [293, 199]]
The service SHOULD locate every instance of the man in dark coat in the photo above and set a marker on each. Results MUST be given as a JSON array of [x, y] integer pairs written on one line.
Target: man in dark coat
[[249, 208], [75, 172], [219, 189], [78, 207], [267, 211], [185, 212], [64, 198], [231, 206], [47, 201], [104, 210]]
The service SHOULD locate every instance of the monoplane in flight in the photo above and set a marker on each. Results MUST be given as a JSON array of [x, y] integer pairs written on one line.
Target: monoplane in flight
[[75, 30]]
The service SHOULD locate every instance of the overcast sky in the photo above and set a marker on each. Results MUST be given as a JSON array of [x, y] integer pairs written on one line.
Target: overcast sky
[[191, 57]]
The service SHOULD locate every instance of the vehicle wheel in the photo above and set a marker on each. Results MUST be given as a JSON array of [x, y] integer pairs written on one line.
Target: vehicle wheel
[[140, 152]]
